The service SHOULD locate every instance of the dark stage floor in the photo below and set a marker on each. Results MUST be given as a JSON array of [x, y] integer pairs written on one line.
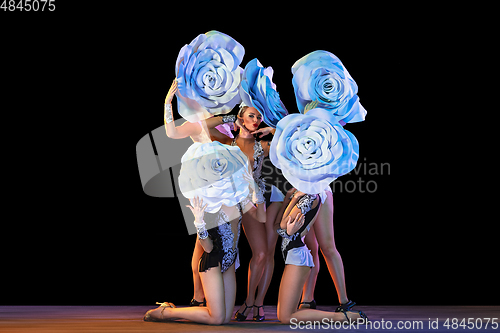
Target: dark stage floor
[[129, 319]]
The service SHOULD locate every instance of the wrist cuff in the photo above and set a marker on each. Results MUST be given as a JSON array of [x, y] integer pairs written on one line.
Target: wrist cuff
[[230, 118], [168, 113]]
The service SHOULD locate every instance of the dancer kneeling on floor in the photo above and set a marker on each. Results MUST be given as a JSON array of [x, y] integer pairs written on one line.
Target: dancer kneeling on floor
[[216, 267], [298, 259]]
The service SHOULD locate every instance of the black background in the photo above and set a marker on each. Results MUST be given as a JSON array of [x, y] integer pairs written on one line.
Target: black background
[[83, 84]]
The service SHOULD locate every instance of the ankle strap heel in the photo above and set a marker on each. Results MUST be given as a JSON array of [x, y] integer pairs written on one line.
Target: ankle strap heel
[[240, 316], [258, 317]]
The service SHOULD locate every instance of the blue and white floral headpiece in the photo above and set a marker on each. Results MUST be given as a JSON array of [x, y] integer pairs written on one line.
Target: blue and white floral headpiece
[[321, 76], [313, 149], [208, 76], [259, 91]]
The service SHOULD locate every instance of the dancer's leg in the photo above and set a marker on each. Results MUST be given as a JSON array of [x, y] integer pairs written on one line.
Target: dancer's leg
[[229, 291], [323, 228], [290, 289], [255, 232], [198, 293], [272, 237], [291, 285], [310, 284], [215, 311]]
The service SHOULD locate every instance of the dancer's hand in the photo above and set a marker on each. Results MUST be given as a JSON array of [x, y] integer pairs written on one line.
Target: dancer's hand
[[264, 131], [239, 124], [171, 92], [310, 106], [197, 209], [293, 226]]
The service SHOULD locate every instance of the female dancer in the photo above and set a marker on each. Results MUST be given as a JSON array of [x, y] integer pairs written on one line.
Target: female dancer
[[216, 268], [202, 131], [298, 260], [216, 265], [261, 237], [322, 236]]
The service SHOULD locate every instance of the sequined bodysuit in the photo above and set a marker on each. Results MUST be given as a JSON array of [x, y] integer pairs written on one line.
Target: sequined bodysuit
[[258, 157], [225, 239]]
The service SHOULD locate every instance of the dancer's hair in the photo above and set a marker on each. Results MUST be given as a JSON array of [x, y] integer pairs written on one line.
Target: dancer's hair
[[242, 110]]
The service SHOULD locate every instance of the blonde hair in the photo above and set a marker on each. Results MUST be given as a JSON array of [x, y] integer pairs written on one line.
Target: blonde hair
[[242, 110]]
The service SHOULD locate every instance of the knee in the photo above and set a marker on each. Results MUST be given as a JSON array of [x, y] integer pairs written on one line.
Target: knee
[[218, 319], [315, 269], [259, 257], [330, 251], [284, 318]]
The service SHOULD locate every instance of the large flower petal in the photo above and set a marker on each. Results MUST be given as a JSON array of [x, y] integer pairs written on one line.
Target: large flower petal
[[217, 173], [258, 90], [208, 76], [321, 76], [313, 149]]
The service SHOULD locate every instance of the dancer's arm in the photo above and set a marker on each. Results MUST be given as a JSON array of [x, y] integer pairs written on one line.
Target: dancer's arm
[[198, 211], [264, 131], [291, 226], [183, 131], [291, 209], [232, 120], [219, 120]]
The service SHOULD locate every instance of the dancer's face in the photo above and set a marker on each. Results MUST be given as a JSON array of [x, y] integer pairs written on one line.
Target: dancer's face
[[251, 118]]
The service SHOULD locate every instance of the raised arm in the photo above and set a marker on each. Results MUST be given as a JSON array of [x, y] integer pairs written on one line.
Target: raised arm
[[264, 131], [183, 131], [219, 120]]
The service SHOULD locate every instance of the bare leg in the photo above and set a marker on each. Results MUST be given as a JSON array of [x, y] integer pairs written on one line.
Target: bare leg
[[255, 232], [323, 227], [272, 237], [310, 284], [198, 294], [230, 292], [215, 311], [290, 289], [291, 285]]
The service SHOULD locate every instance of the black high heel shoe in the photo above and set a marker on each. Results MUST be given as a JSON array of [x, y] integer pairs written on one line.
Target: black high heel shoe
[[258, 317], [346, 307], [196, 303], [312, 304], [241, 317], [363, 320]]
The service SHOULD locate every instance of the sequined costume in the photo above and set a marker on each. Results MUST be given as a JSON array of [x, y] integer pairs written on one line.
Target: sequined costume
[[225, 239], [265, 192]]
